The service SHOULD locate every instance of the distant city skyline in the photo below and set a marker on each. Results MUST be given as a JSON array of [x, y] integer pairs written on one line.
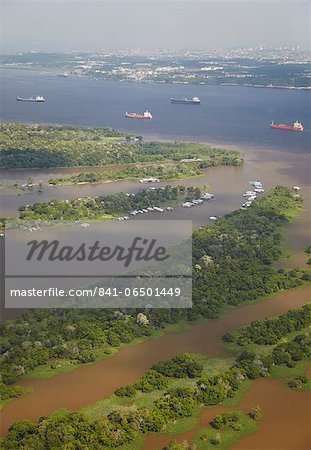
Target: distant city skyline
[[71, 25]]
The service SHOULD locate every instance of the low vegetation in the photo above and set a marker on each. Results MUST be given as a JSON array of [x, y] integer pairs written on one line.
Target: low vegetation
[[308, 251], [300, 383], [7, 393], [164, 172]]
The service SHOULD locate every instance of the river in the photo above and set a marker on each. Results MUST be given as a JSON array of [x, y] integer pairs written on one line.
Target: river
[[234, 116], [226, 115]]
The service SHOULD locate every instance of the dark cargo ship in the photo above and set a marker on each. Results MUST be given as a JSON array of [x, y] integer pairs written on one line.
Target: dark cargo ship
[[189, 101]]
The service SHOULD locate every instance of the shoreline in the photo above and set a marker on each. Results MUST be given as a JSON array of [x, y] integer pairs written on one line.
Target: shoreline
[[43, 71]]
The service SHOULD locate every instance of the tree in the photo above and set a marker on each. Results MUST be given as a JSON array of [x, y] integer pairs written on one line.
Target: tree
[[125, 391], [255, 413]]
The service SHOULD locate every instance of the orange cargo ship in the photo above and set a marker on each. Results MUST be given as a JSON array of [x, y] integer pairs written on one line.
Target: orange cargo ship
[[296, 127]]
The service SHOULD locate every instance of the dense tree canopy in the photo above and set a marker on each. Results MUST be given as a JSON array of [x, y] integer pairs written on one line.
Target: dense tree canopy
[[270, 331], [42, 146]]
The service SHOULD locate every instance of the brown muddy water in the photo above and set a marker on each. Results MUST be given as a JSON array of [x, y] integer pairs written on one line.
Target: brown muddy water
[[228, 183], [285, 424], [88, 384]]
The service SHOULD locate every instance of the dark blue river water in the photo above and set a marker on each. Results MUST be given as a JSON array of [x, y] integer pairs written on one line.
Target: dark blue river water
[[227, 115]]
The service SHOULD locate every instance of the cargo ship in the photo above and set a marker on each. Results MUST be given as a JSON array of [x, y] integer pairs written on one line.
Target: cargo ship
[[188, 101], [146, 115], [280, 126], [39, 99]]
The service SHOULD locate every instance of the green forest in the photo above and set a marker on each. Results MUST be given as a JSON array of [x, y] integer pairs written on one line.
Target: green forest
[[44, 146]]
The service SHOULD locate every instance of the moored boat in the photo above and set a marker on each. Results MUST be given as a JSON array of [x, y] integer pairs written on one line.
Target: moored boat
[[189, 101], [297, 126]]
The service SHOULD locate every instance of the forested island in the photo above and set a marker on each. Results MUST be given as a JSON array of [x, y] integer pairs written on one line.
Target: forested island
[[108, 206], [44, 146]]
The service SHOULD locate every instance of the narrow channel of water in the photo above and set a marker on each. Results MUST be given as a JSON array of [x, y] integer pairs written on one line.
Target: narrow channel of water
[[285, 423]]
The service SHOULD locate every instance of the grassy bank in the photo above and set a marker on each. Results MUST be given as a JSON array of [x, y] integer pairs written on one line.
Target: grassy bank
[[165, 172]]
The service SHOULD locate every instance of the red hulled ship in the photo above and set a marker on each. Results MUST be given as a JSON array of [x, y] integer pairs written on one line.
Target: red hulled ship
[[146, 115], [296, 127]]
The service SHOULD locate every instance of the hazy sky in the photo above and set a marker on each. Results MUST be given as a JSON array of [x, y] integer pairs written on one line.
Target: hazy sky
[[56, 25]]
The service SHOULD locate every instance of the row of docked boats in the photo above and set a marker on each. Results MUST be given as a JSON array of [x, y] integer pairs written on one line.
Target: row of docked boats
[[251, 195]]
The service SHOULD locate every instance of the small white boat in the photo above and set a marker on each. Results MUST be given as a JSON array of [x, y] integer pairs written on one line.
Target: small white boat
[[149, 180], [207, 196]]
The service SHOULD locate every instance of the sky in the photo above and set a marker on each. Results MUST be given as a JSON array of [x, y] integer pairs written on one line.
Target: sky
[[93, 25]]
